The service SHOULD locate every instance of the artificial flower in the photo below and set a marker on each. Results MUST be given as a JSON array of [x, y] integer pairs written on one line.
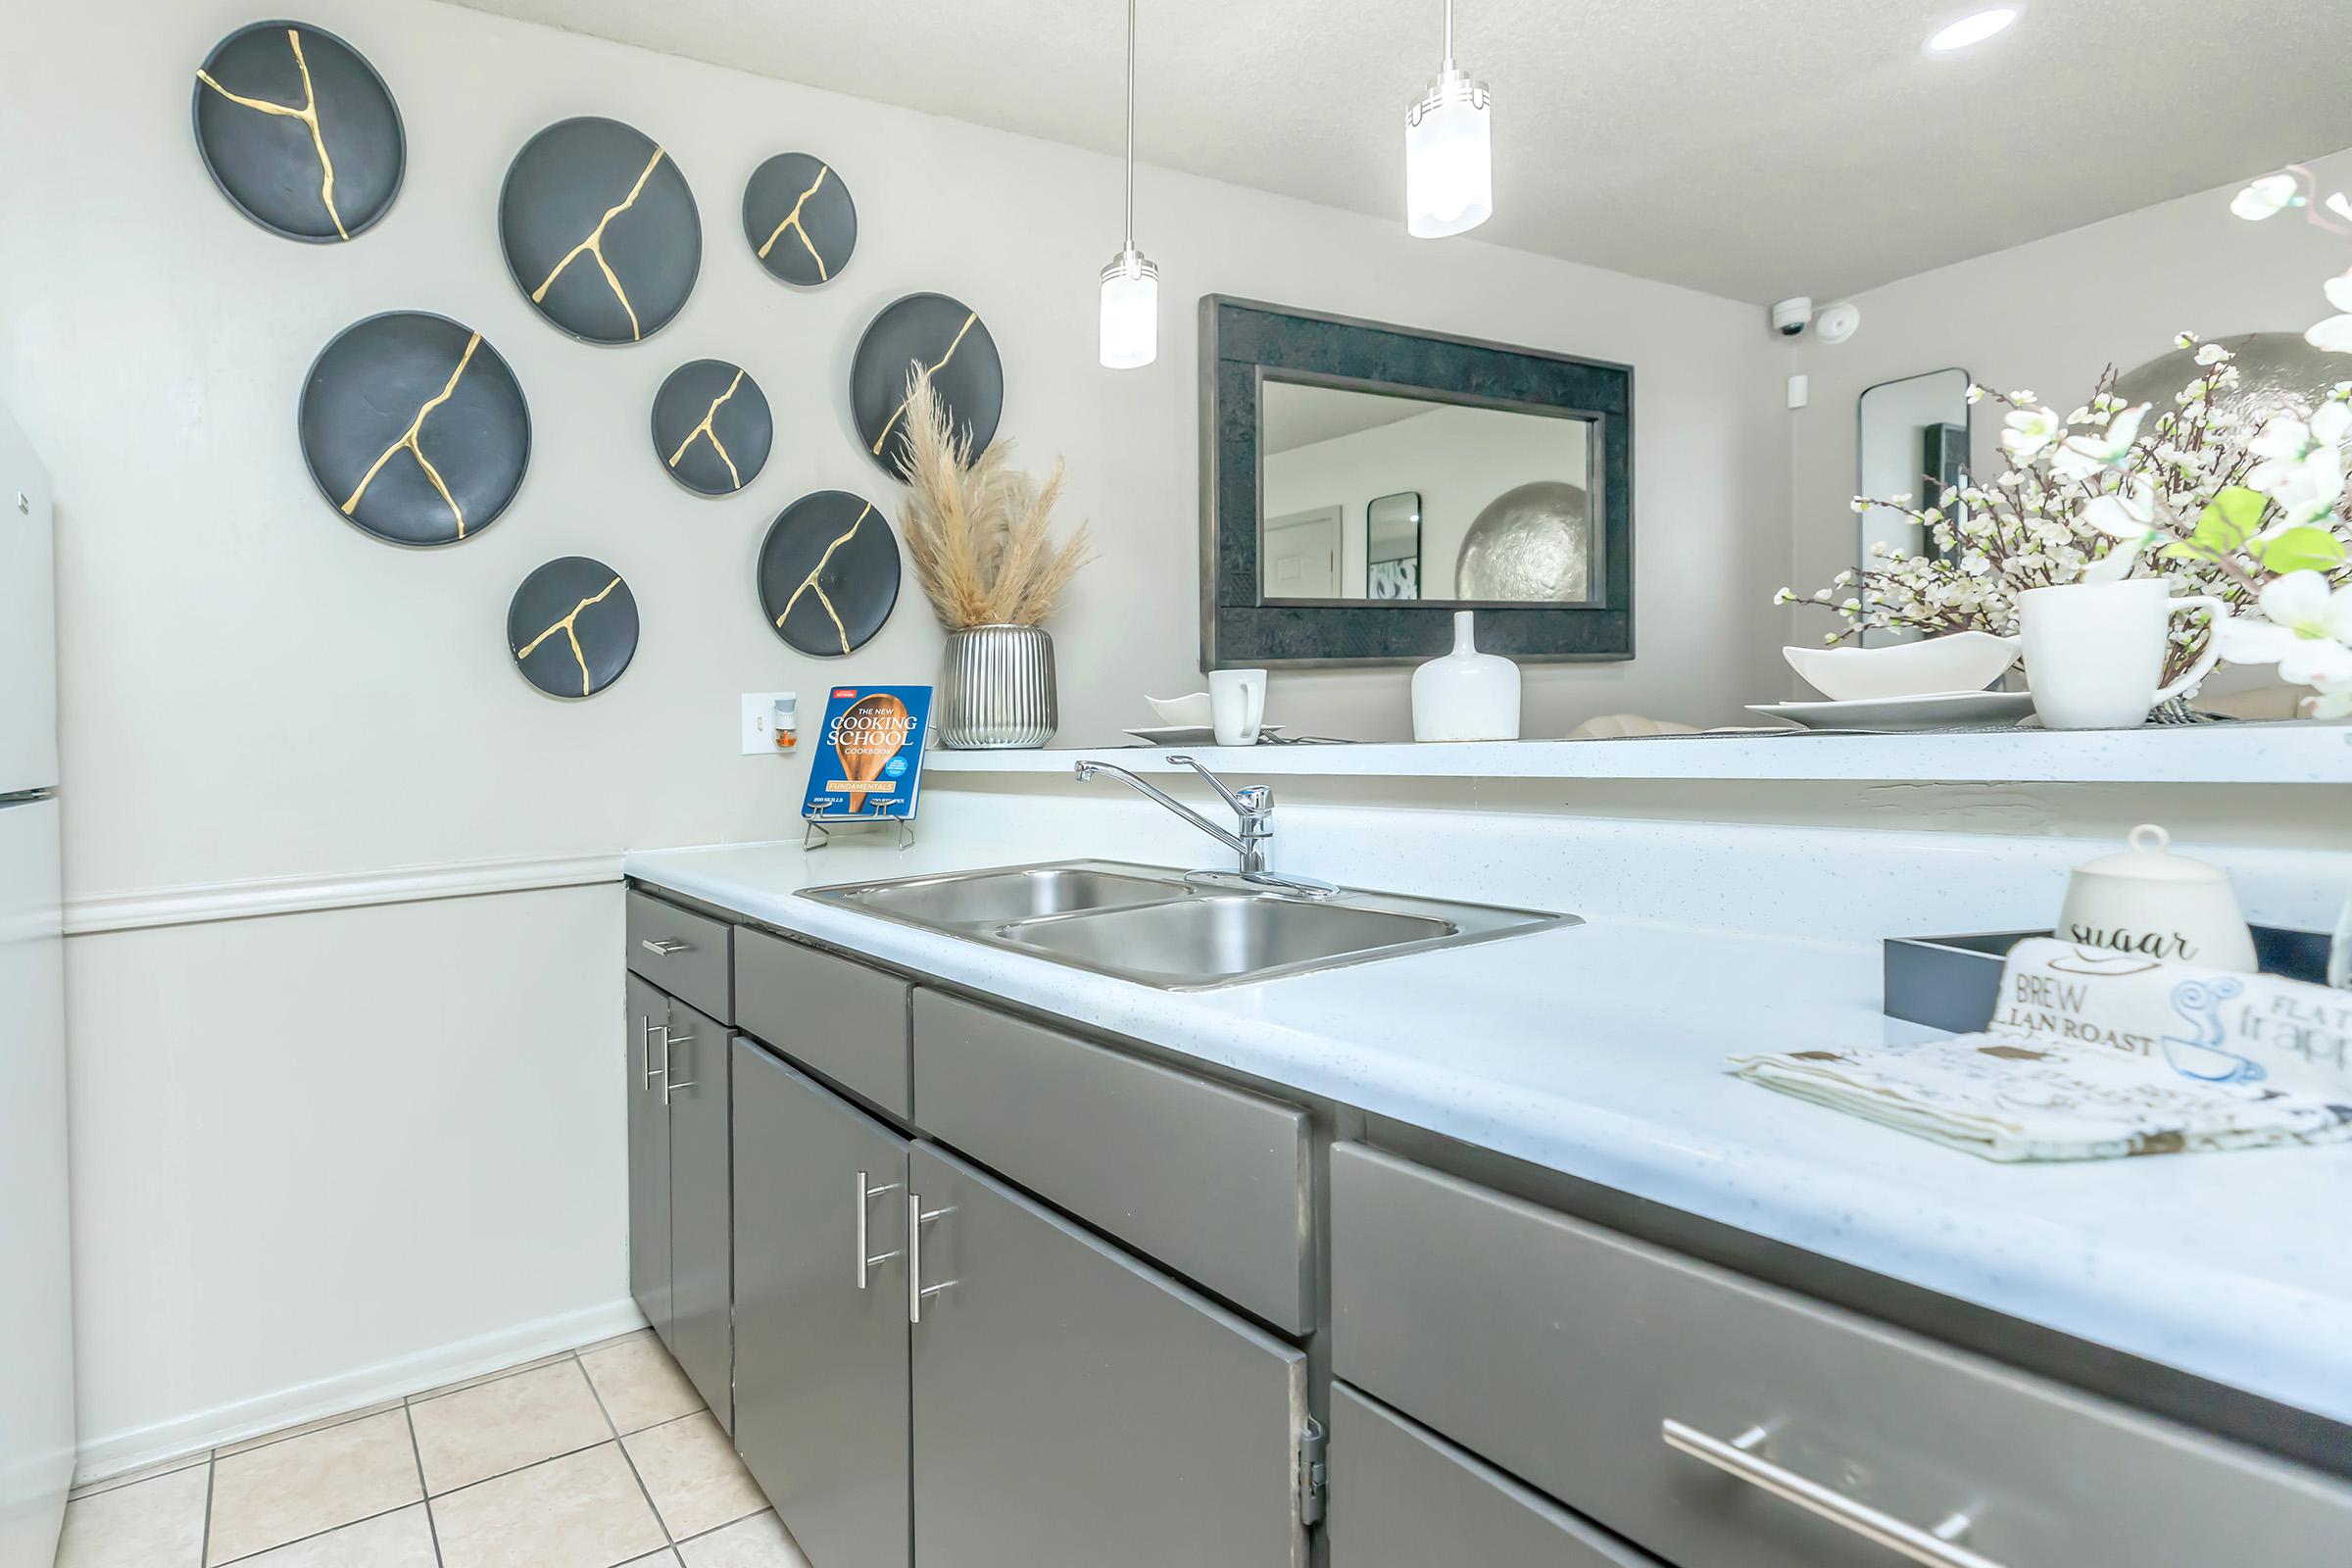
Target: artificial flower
[[2081, 455], [2304, 628], [2029, 430], [2334, 334], [2335, 699], [2128, 513], [2265, 197]]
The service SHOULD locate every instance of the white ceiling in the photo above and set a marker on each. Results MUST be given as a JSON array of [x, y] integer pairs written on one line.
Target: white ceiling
[[1752, 148], [1295, 415]]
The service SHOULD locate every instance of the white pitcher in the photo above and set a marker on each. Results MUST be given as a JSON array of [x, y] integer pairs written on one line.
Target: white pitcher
[[2094, 652]]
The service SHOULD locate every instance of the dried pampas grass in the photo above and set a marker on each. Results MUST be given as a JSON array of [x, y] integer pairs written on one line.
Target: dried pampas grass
[[979, 530]]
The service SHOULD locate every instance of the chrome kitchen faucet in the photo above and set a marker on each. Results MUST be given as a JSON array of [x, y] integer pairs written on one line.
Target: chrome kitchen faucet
[[1252, 805]]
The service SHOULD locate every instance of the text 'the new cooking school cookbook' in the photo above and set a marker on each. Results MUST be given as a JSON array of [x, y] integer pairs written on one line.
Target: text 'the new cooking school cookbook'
[[868, 765]]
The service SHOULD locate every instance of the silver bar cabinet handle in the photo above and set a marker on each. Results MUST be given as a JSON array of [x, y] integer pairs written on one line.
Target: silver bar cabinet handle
[[917, 1217], [645, 1048], [662, 946], [1743, 1457], [867, 1194], [669, 1078]]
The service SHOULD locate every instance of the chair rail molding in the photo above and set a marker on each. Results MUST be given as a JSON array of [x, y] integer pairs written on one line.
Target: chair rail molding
[[203, 903]]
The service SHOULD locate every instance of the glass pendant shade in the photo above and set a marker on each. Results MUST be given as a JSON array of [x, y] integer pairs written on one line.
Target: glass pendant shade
[[1448, 159], [1130, 338]]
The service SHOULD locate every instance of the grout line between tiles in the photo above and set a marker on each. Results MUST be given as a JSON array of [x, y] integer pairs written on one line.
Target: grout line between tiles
[[432, 1526], [314, 1534], [204, 1537], [629, 1459]]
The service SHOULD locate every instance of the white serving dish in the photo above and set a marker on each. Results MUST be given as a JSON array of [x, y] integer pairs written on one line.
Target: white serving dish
[[1961, 661], [1193, 712], [1189, 734], [1883, 715]]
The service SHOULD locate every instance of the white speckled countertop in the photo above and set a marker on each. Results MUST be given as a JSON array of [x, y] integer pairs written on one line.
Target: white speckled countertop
[[1599, 1050]]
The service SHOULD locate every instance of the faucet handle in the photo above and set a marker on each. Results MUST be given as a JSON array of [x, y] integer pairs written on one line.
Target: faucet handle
[[1253, 799]]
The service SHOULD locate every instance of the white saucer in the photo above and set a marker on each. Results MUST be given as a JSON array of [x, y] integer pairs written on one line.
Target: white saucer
[[1188, 734], [1936, 710]]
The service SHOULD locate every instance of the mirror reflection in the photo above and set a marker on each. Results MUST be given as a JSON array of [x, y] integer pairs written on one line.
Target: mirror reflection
[[1911, 440], [1377, 496]]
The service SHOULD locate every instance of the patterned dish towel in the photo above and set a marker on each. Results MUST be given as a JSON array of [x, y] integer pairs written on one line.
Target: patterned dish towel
[[2095, 1055]]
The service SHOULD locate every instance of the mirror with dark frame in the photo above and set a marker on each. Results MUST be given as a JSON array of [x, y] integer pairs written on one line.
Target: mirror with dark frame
[[1364, 481]]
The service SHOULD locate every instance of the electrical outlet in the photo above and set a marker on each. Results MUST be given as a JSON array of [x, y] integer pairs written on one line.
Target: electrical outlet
[[768, 719]]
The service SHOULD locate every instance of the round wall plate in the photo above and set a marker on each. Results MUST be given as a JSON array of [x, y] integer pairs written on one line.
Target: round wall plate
[[415, 429], [712, 426], [828, 572], [799, 219], [924, 332], [299, 131], [600, 229], [573, 627]]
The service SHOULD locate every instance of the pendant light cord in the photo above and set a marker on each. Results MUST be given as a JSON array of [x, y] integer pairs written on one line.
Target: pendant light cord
[[1448, 35], [1131, 116]]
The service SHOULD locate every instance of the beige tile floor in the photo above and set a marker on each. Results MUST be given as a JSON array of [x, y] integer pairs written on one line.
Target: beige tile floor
[[601, 1458]]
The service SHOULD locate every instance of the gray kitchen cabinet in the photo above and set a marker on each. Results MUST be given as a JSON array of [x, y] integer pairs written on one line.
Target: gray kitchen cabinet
[[1072, 1405], [688, 956], [1404, 1498], [820, 1313], [648, 1157], [839, 1020], [1723, 1423], [1208, 1180], [700, 1219]]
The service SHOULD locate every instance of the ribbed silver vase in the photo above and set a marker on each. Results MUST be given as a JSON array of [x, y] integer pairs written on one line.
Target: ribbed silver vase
[[996, 692]]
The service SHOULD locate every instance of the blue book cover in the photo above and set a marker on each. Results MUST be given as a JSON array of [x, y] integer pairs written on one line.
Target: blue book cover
[[868, 763]]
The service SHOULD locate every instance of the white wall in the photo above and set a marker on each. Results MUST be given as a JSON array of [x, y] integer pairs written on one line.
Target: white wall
[[1457, 459], [2048, 316], [315, 1144]]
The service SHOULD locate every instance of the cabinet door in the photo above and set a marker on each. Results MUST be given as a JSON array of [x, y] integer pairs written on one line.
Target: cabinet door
[[820, 1362], [648, 1158], [1072, 1405], [701, 1232]]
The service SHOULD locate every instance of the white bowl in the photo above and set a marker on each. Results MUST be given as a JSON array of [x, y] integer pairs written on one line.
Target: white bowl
[[1960, 662], [1189, 712]]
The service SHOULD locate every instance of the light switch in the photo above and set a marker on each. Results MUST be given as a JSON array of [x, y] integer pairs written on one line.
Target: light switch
[[771, 723], [1801, 391]]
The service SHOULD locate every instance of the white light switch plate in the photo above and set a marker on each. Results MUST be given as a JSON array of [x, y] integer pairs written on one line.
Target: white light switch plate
[[758, 723]]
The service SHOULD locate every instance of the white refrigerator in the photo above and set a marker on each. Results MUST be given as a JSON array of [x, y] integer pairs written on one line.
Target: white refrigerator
[[36, 1325]]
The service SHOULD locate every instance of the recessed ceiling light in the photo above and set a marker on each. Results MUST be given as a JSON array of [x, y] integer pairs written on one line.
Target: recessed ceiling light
[[1971, 29]]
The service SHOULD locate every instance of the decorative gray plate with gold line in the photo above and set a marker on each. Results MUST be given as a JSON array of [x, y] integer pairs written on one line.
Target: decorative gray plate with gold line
[[924, 332], [828, 572], [712, 426], [600, 229], [299, 131], [415, 428], [573, 627], [800, 219]]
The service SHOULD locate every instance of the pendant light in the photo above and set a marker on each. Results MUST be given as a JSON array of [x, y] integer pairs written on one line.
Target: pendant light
[[1130, 337], [1448, 152]]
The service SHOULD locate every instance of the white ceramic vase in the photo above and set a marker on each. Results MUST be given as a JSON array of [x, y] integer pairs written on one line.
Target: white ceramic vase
[[1467, 695]]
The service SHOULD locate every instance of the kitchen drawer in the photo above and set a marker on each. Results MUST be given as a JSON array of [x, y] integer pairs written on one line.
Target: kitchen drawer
[[683, 953], [841, 1020], [1404, 1498], [1210, 1181], [1559, 1350]]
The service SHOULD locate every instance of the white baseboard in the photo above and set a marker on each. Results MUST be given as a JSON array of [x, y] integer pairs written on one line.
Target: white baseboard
[[118, 1452]]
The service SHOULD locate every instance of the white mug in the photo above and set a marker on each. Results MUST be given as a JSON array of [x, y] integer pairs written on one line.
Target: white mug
[[1237, 705], [2094, 652]]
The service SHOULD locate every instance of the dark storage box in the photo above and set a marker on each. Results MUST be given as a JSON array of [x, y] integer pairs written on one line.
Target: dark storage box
[[1955, 982]]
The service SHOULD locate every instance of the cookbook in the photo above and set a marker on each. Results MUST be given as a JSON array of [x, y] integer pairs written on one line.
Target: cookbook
[[868, 763]]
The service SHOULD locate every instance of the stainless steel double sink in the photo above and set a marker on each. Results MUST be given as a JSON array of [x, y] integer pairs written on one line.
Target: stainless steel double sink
[[1176, 930]]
